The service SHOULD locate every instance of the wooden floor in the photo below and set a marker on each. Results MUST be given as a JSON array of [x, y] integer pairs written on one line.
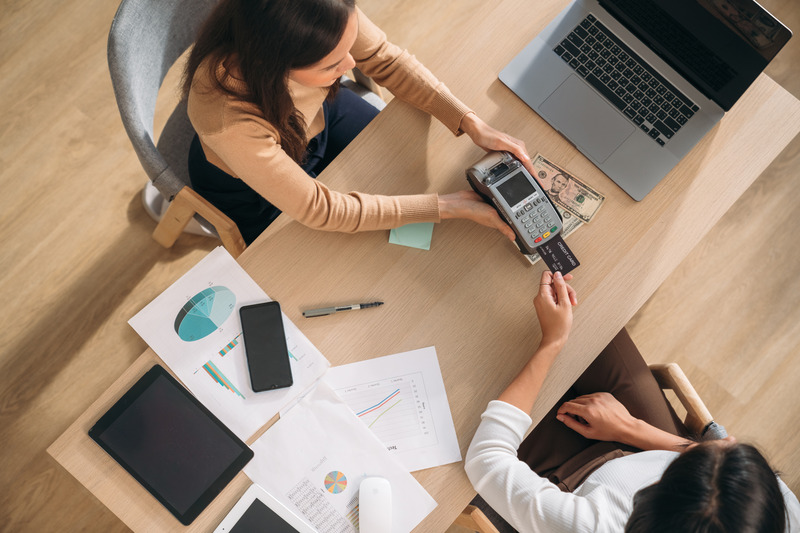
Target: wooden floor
[[77, 262]]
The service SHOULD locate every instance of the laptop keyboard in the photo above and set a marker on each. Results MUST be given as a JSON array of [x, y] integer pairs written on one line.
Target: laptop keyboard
[[625, 80], [657, 24]]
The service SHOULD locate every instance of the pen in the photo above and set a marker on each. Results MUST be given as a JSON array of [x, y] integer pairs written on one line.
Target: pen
[[330, 310]]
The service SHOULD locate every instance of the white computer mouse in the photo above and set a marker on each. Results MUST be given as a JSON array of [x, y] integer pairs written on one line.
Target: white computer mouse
[[375, 505]]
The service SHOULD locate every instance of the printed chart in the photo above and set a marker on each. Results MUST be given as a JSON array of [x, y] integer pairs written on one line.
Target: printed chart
[[194, 327], [325, 454], [204, 313], [217, 375], [402, 400], [396, 409], [230, 346], [335, 482]]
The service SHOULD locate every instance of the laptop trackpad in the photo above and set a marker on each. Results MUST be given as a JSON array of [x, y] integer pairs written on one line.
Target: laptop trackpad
[[587, 120]]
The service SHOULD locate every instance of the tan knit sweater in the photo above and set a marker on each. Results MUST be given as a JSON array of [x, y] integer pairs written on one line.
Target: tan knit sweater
[[237, 139]]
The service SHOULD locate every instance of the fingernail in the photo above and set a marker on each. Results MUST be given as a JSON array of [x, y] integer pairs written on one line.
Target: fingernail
[[557, 275], [560, 418]]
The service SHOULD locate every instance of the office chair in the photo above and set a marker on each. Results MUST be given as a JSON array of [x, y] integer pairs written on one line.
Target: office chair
[[479, 516], [145, 40]]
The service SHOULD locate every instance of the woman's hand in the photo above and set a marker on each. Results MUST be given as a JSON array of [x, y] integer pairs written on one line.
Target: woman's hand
[[598, 416], [553, 305], [490, 139], [469, 205]]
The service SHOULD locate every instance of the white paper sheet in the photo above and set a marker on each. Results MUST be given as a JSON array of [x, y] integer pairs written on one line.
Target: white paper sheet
[[194, 327], [314, 458], [402, 400]]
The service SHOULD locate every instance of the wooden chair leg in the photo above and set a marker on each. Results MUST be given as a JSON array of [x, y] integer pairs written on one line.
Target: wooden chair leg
[[473, 518], [181, 210]]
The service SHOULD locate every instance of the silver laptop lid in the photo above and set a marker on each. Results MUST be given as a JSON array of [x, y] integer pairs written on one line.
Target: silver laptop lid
[[720, 46]]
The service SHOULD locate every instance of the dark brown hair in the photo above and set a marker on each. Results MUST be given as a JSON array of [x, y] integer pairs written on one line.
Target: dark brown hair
[[712, 489], [267, 39]]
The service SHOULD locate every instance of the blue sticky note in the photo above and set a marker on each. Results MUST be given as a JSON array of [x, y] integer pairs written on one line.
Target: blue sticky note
[[413, 235]]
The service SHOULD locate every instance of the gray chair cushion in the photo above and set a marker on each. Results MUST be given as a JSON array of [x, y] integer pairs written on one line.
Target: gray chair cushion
[[174, 142], [145, 40]]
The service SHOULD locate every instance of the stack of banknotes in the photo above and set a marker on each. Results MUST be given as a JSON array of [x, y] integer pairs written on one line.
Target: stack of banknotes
[[576, 201]]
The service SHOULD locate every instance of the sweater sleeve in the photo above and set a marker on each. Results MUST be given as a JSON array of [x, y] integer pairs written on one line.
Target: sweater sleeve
[[528, 502], [247, 147], [401, 73]]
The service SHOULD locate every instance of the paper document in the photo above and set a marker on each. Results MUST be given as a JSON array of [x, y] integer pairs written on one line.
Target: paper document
[[194, 327], [314, 458], [401, 399]]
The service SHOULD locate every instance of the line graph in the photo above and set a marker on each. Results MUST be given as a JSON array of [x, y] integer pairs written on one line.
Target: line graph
[[379, 404], [383, 413], [396, 409]]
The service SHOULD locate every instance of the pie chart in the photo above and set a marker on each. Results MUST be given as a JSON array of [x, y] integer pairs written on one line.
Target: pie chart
[[335, 482], [204, 313]]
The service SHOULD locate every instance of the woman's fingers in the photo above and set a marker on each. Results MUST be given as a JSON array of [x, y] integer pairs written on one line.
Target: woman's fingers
[[561, 289]]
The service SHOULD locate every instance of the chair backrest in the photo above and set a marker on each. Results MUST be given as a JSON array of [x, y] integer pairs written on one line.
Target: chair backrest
[[145, 40]]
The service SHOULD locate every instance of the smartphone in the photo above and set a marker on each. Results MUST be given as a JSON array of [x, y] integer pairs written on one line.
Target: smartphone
[[265, 346]]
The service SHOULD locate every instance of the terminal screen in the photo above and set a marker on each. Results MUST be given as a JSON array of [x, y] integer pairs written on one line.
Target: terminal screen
[[516, 188]]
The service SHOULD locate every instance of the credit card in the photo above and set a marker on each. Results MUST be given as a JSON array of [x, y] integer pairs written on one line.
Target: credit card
[[557, 256]]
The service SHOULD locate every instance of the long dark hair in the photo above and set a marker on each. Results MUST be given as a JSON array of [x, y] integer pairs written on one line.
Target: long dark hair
[[719, 489], [267, 39]]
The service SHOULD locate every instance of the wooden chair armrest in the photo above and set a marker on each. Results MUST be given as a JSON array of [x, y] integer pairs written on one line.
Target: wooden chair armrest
[[670, 376], [473, 518], [183, 207]]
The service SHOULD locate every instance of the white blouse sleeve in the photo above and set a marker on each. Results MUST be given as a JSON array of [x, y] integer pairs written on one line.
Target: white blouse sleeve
[[792, 508], [528, 502]]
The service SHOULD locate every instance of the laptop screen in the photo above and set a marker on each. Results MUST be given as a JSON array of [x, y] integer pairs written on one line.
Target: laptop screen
[[721, 46]]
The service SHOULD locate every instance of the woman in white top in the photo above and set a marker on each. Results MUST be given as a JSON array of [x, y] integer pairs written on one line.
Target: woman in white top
[[613, 462]]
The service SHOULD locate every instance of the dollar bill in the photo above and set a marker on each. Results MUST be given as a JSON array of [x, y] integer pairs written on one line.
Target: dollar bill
[[566, 190], [571, 223]]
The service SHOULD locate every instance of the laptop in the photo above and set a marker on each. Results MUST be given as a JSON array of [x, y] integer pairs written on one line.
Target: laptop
[[635, 84]]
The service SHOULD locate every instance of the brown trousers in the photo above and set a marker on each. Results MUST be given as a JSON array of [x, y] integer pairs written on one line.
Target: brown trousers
[[566, 458]]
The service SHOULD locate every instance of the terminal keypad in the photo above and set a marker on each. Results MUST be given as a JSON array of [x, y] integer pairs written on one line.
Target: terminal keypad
[[537, 219]]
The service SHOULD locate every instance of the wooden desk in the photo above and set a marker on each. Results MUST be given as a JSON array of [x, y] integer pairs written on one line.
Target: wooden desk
[[470, 296]]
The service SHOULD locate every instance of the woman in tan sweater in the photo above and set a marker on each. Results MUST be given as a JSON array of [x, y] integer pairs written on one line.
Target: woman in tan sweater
[[264, 98]]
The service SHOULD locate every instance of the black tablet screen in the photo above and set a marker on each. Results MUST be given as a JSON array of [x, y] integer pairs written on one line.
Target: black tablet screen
[[261, 519], [170, 443]]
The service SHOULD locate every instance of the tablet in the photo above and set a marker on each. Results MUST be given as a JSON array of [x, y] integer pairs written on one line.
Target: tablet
[[258, 512], [171, 444]]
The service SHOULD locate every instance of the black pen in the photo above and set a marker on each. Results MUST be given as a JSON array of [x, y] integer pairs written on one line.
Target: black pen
[[330, 310]]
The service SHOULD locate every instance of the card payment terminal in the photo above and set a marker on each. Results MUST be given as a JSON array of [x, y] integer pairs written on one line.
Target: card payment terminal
[[503, 182]]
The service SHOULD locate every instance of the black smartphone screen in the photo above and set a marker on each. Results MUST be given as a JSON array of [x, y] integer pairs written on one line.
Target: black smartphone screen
[[265, 346]]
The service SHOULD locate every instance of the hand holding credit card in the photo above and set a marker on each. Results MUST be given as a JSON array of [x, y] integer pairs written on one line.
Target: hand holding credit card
[[557, 256]]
